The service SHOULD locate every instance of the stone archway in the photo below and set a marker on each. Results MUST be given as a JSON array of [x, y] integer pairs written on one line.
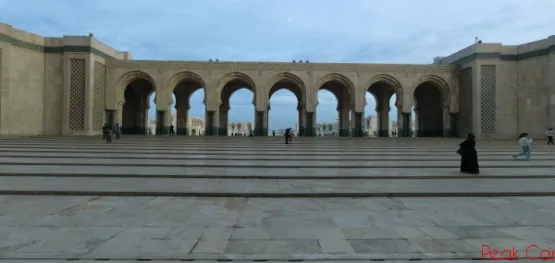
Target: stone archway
[[295, 85], [383, 87], [229, 84], [134, 119], [182, 85], [343, 90], [431, 97]]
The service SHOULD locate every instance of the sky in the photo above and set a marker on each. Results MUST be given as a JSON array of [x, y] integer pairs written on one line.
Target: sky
[[360, 31]]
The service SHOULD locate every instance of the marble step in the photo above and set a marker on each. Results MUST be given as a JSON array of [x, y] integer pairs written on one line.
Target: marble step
[[269, 173], [509, 162], [259, 157], [274, 188]]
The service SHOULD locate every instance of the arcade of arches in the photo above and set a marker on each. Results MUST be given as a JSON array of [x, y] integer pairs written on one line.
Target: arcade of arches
[[432, 117]]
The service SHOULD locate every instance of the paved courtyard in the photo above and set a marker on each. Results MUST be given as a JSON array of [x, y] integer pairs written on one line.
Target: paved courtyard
[[245, 199]]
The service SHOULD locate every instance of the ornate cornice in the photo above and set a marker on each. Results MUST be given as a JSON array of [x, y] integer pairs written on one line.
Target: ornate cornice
[[260, 67]]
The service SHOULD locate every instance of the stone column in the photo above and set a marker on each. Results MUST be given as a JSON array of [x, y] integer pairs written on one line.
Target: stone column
[[417, 123], [358, 129], [167, 120], [408, 126], [89, 95], [446, 122], [310, 124], [344, 122], [383, 121], [119, 113], [223, 120], [181, 122], [302, 120], [141, 127], [401, 122], [211, 123], [260, 123], [162, 122]]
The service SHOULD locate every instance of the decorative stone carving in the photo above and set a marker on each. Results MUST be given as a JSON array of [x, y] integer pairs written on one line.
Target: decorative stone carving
[[309, 71], [161, 68], [99, 95], [77, 87], [210, 68], [357, 70], [260, 69], [234, 66], [109, 68], [406, 72]]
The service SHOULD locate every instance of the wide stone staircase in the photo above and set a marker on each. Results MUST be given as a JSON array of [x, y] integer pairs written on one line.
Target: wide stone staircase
[[256, 199], [266, 167]]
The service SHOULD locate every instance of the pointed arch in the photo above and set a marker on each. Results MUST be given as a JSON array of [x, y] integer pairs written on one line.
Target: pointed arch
[[346, 82], [182, 76], [390, 81], [233, 76], [185, 76], [439, 83], [290, 77], [128, 78]]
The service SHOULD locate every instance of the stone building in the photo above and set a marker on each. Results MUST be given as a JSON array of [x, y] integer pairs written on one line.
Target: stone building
[[327, 129], [372, 128], [72, 85], [195, 126], [240, 128]]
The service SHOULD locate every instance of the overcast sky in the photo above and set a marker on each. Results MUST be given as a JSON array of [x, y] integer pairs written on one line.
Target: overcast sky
[[363, 31]]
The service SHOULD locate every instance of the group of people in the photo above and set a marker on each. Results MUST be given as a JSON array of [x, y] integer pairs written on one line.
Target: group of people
[[469, 156], [108, 132]]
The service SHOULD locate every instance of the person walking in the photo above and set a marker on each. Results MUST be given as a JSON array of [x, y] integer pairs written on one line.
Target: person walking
[[526, 144], [287, 135], [469, 156], [550, 133]]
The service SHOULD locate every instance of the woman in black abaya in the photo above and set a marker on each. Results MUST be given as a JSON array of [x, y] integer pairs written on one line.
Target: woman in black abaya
[[469, 156]]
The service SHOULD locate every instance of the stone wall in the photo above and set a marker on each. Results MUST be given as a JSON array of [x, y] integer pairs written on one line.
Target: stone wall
[[532, 100], [506, 113], [53, 99], [26, 91]]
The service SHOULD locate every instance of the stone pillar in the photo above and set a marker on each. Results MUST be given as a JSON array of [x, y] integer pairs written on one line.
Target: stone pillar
[[181, 121], [223, 121], [446, 122], [119, 113], [310, 124], [261, 123], [89, 95], [417, 123], [211, 123], [344, 122], [111, 118], [163, 122], [302, 120], [408, 121], [401, 122], [358, 129], [141, 119], [383, 121]]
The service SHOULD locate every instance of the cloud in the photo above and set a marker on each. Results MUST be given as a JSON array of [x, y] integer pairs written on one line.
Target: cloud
[[396, 31]]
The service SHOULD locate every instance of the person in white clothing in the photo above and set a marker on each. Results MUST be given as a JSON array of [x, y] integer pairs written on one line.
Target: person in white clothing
[[526, 144]]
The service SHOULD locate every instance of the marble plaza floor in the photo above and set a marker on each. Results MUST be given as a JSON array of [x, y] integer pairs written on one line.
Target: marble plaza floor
[[250, 199]]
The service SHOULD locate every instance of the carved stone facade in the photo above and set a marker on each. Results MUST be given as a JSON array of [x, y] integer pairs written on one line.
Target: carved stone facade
[[81, 87]]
